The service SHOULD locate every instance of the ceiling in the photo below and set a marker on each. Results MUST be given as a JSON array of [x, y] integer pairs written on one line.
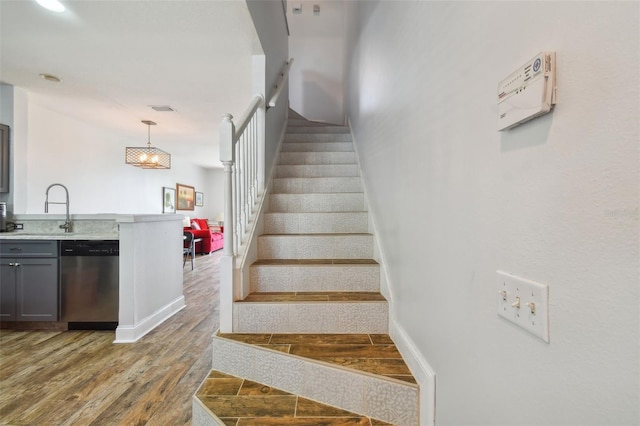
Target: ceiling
[[117, 58]]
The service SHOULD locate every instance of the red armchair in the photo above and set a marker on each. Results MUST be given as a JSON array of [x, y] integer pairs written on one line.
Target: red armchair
[[212, 239]]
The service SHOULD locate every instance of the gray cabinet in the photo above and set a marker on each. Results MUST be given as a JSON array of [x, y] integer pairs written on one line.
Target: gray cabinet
[[29, 280]]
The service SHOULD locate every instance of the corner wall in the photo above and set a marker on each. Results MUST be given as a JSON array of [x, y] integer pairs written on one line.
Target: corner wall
[[555, 200]]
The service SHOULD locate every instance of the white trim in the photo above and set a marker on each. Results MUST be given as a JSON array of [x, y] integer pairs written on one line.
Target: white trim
[[422, 372], [131, 334]]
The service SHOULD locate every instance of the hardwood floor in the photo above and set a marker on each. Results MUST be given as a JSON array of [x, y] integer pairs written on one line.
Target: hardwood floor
[[82, 378], [241, 402]]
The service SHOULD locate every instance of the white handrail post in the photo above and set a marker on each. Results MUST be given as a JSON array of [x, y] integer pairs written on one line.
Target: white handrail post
[[262, 109], [227, 261]]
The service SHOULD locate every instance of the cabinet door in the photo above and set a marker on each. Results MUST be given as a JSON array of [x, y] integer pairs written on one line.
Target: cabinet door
[[7, 290], [37, 290]]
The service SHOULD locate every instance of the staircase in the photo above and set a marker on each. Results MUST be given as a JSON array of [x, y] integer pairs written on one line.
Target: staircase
[[313, 332]]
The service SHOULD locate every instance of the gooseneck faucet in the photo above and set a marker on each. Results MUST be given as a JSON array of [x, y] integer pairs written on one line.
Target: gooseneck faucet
[[67, 222]]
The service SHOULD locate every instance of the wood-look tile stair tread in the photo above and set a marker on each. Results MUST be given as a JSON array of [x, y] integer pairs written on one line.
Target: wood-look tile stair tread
[[326, 296], [297, 262], [371, 353], [238, 401], [327, 234]]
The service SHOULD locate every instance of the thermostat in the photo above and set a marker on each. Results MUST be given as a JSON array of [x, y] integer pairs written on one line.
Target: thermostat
[[528, 92]]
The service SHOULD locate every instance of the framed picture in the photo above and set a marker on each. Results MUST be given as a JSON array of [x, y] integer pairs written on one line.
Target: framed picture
[[168, 200], [199, 199], [186, 197]]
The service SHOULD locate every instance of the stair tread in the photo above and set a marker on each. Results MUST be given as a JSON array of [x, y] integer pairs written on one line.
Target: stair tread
[[317, 177], [316, 296], [327, 234], [296, 262], [298, 194], [334, 213], [236, 400], [371, 353]]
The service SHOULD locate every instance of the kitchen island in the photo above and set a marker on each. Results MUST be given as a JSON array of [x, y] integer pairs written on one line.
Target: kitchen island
[[150, 262]]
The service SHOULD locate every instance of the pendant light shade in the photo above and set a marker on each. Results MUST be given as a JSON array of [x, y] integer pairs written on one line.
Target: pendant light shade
[[148, 157]]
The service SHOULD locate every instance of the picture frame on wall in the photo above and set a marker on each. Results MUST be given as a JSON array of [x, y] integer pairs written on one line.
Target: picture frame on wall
[[168, 200], [199, 199], [186, 197]]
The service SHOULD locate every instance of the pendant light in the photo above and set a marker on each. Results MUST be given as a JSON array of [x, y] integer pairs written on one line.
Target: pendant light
[[147, 157]]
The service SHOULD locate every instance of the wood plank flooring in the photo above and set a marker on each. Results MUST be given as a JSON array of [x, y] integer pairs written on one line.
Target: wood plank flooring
[[82, 378], [322, 296], [241, 402]]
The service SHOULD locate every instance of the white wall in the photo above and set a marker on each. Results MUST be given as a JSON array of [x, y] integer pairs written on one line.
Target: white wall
[[13, 112], [317, 44], [89, 160], [269, 20], [555, 201]]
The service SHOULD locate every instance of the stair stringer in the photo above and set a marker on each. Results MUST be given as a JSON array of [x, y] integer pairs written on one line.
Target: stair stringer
[[386, 399], [419, 366]]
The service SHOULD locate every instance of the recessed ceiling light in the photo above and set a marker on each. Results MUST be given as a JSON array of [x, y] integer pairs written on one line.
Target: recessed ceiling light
[[50, 77], [161, 108], [52, 5]]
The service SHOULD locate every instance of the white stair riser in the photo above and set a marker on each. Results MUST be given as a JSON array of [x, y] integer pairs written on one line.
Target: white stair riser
[[316, 202], [201, 415], [317, 137], [299, 127], [295, 122], [323, 170], [316, 185], [280, 278], [315, 223], [317, 158], [387, 400], [315, 246], [317, 147], [311, 317]]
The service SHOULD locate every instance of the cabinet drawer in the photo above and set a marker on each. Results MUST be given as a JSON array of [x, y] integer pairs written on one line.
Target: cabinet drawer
[[34, 248]]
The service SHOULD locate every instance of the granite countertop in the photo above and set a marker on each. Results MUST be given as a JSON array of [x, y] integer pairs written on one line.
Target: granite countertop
[[17, 235]]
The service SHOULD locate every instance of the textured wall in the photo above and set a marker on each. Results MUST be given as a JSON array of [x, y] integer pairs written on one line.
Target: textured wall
[[555, 200]]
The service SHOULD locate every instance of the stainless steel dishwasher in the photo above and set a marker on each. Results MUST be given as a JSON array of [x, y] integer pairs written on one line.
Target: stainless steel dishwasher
[[89, 284]]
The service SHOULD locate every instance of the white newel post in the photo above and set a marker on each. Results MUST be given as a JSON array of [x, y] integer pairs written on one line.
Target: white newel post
[[227, 262], [261, 146]]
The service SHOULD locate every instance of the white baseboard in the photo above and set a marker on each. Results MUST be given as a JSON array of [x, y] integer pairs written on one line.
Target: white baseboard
[[133, 333], [422, 371]]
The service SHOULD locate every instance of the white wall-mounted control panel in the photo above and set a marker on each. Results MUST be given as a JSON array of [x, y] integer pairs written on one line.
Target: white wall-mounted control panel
[[528, 92], [524, 303]]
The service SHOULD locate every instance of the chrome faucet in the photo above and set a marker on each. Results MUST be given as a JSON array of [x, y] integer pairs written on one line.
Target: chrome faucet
[[67, 222]]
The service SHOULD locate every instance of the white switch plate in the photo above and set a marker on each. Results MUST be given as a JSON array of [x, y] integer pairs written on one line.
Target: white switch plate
[[532, 297]]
